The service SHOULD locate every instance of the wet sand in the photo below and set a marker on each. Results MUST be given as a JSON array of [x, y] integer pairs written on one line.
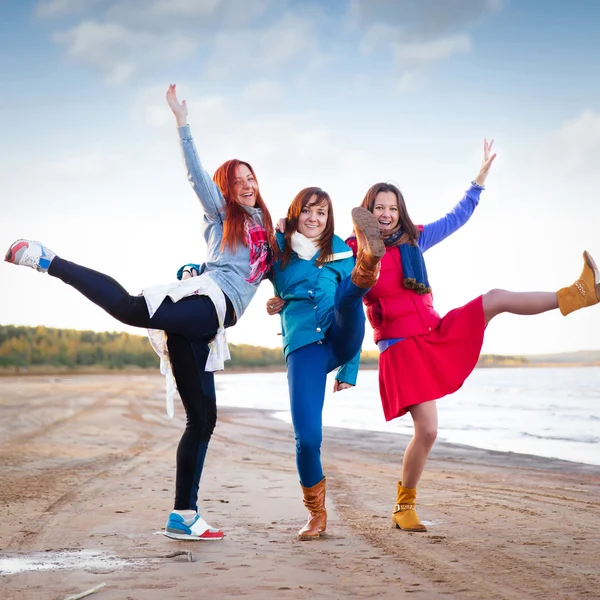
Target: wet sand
[[87, 463]]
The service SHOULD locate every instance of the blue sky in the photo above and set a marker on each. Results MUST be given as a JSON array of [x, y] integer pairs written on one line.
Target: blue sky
[[339, 94]]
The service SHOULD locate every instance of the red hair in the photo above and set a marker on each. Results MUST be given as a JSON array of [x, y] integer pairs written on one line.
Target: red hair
[[234, 232]]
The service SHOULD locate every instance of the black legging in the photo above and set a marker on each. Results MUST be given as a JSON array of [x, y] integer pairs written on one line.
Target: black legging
[[197, 390], [190, 324]]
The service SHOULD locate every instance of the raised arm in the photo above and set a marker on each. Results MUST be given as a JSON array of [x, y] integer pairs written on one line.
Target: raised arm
[[434, 233], [206, 189]]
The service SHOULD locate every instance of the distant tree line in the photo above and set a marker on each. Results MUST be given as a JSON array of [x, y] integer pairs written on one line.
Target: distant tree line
[[44, 346], [24, 347]]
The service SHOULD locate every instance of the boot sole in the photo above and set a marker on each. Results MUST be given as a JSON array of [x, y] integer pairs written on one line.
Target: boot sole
[[9, 257], [365, 221], [396, 526], [591, 263], [308, 538]]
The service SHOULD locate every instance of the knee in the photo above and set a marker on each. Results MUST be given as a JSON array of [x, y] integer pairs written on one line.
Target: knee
[[308, 443], [201, 429], [427, 435], [494, 296]]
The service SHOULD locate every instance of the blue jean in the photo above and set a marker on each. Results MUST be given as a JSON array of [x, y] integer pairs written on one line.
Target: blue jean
[[307, 377]]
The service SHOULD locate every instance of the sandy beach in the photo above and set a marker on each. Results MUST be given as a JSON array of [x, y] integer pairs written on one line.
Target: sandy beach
[[88, 470]]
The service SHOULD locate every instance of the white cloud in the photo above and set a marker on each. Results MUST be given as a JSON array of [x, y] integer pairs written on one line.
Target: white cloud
[[574, 148], [426, 18], [118, 52], [128, 37], [201, 16], [423, 53], [263, 94], [185, 8], [53, 9], [416, 34], [263, 50]]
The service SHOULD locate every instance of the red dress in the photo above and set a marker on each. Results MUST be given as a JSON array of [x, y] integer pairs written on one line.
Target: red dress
[[436, 354]]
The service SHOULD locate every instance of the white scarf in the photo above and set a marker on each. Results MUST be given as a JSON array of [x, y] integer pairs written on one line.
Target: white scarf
[[304, 247]]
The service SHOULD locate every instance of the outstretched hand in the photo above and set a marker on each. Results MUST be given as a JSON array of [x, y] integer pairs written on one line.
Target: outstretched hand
[[179, 109], [486, 163]]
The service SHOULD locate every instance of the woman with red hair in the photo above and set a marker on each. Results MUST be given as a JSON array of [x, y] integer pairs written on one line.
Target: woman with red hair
[[187, 319]]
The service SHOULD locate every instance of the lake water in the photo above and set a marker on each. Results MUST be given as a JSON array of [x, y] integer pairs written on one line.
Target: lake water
[[546, 412]]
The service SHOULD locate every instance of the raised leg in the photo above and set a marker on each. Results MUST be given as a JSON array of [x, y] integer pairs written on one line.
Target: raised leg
[[496, 302]]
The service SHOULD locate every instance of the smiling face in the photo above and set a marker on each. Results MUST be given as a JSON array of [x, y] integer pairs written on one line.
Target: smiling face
[[313, 218], [245, 188], [386, 210]]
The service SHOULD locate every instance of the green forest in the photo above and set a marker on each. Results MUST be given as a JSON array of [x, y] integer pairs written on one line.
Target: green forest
[[41, 348], [26, 347]]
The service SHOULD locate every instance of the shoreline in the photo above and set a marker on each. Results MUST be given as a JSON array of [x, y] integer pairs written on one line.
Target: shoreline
[[48, 371], [443, 447]]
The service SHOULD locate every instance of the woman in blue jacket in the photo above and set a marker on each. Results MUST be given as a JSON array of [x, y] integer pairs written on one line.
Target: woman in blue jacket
[[319, 291]]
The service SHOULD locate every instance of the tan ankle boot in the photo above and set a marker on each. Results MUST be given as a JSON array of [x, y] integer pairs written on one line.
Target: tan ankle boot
[[584, 292], [370, 248], [314, 500], [404, 515]]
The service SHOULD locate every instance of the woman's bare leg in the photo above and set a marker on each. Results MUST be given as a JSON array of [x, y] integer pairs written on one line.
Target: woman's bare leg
[[496, 302], [425, 419]]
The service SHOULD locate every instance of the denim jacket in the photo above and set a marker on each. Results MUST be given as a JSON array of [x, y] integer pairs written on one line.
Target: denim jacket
[[229, 269], [309, 293]]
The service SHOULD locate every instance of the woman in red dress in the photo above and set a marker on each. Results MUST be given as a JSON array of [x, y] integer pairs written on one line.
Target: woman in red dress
[[424, 356]]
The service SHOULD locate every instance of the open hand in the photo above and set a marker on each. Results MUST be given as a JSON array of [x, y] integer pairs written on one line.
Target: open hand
[[486, 163], [179, 109], [274, 305]]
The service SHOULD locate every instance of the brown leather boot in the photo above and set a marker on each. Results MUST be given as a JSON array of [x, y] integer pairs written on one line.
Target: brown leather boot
[[404, 515], [370, 248], [314, 500], [584, 292]]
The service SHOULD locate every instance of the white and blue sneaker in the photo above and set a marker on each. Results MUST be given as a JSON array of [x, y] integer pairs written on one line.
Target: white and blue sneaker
[[30, 254], [195, 528]]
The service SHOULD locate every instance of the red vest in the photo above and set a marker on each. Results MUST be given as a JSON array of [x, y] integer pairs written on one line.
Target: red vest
[[393, 310]]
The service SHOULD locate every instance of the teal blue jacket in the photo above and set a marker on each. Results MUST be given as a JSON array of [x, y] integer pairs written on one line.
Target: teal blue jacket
[[309, 293]]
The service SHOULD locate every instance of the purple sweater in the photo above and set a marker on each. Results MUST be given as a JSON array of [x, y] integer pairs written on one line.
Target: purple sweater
[[434, 233]]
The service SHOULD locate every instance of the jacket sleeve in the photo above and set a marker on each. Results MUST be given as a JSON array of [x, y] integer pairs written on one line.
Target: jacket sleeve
[[348, 373], [206, 189], [199, 269], [434, 233]]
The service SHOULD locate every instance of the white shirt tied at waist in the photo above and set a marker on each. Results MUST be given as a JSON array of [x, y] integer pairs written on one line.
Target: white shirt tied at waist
[[202, 285]]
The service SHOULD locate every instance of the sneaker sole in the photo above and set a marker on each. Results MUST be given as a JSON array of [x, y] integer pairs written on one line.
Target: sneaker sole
[[591, 263], [191, 538], [11, 253], [365, 221]]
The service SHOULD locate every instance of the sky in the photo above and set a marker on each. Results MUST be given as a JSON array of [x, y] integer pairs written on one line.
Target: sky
[[339, 94]]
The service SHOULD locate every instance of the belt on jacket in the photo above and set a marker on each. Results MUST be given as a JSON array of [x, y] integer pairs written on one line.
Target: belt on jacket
[[385, 344]]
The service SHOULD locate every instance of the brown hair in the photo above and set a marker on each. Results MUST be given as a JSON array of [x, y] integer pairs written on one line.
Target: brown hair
[[325, 242], [404, 221], [234, 233]]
